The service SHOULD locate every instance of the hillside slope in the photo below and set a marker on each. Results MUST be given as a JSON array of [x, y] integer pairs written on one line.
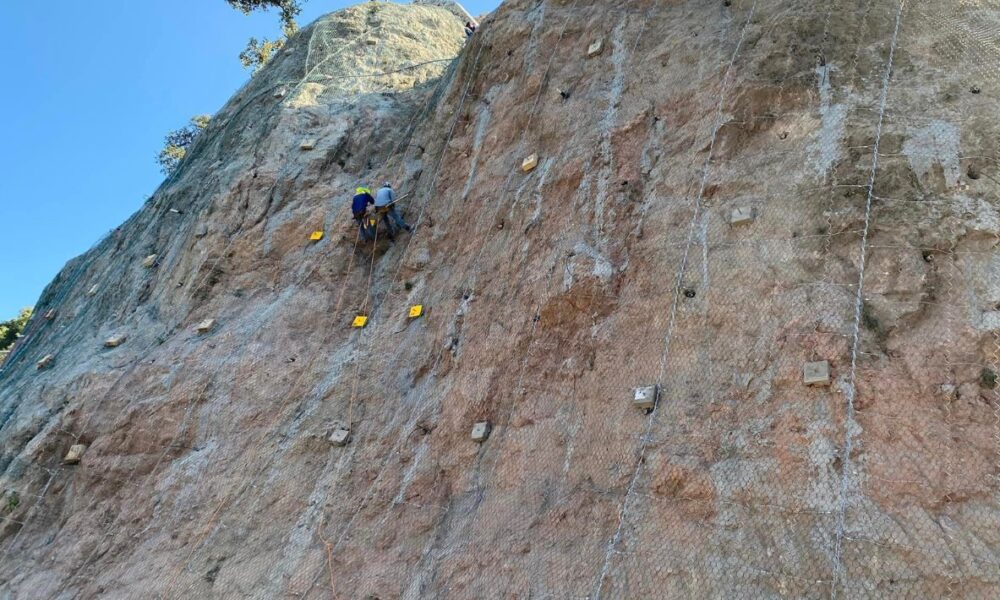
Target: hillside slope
[[725, 192]]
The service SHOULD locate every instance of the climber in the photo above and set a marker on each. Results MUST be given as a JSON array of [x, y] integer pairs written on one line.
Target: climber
[[385, 200], [359, 206], [470, 28]]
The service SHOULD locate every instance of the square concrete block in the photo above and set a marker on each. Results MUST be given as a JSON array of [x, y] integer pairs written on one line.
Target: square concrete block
[[341, 436], [114, 341], [741, 216], [481, 431], [46, 362], [149, 262], [645, 397], [528, 165], [595, 48], [93, 291], [308, 145], [816, 373], [371, 41], [280, 93], [75, 454], [206, 326]]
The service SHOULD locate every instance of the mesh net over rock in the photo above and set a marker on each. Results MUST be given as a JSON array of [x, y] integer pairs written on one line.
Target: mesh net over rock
[[726, 193]]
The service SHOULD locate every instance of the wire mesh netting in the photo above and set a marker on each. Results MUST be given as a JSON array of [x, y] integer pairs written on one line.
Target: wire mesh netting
[[782, 215]]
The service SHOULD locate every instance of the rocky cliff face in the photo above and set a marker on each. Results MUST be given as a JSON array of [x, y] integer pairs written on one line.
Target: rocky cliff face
[[725, 194]]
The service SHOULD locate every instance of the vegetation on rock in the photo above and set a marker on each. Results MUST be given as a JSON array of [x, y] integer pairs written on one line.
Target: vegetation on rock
[[11, 330], [177, 142], [258, 52]]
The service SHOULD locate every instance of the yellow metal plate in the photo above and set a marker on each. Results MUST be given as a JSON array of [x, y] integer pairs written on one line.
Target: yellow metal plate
[[416, 310], [360, 321], [316, 236]]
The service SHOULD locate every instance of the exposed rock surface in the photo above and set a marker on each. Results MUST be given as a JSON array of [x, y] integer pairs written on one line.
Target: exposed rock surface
[[862, 137]]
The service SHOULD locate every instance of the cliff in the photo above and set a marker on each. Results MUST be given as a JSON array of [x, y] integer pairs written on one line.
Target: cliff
[[783, 215]]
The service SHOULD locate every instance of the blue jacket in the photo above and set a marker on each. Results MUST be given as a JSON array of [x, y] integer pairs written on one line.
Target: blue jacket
[[361, 202]]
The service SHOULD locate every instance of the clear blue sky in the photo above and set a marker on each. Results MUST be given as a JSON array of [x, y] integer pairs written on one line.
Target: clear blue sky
[[91, 89]]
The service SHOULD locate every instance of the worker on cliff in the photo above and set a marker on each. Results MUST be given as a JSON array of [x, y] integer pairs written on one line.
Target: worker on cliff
[[359, 206], [385, 206], [470, 28]]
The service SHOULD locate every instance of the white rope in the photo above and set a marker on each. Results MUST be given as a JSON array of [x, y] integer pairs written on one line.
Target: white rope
[[851, 390], [400, 439], [623, 511]]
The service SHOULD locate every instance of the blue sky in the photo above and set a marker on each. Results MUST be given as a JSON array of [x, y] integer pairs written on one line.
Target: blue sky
[[92, 88]]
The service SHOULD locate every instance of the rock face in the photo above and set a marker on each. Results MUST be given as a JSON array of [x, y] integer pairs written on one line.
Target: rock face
[[860, 136]]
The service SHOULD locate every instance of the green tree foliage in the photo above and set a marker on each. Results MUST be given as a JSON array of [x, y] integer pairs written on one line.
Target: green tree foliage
[[258, 52], [11, 330], [289, 8], [177, 142]]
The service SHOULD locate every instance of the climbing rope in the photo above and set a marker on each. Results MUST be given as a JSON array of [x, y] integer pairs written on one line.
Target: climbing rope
[[479, 254], [332, 549], [80, 268], [851, 389], [225, 249], [623, 511], [520, 385], [270, 428]]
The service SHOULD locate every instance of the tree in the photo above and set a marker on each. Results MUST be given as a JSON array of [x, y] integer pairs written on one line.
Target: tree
[[11, 330], [257, 53], [177, 142], [289, 8]]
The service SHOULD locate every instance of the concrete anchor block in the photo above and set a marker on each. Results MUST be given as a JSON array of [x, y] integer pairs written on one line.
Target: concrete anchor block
[[595, 48], [206, 326], [528, 165], [341, 436], [644, 398], [114, 341], [75, 454], [371, 42], [280, 93], [150, 261], [46, 362], [93, 291], [741, 216], [481, 431], [816, 373], [308, 145]]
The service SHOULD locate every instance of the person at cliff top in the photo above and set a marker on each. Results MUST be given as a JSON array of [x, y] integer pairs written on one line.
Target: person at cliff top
[[385, 205], [470, 28], [359, 206]]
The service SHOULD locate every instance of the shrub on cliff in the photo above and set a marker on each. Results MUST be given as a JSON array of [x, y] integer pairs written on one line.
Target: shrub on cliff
[[177, 142], [289, 8], [11, 330], [257, 53]]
